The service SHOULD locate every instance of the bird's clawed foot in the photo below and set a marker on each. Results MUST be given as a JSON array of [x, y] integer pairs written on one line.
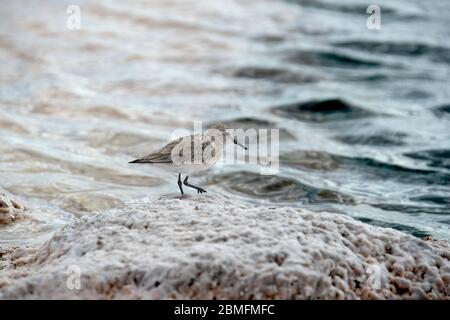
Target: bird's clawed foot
[[186, 183], [200, 190]]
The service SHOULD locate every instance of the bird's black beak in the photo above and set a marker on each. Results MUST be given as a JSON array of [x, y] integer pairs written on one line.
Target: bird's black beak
[[237, 143]]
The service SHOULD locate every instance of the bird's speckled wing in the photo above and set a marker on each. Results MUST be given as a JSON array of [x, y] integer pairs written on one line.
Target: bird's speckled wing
[[163, 155], [186, 152]]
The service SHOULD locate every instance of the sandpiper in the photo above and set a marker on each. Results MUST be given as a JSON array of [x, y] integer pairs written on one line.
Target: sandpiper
[[190, 154]]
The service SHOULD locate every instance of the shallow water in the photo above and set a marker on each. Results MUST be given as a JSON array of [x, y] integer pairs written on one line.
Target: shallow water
[[364, 115]]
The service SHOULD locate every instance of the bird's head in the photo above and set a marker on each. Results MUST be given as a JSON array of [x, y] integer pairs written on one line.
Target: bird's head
[[226, 132]]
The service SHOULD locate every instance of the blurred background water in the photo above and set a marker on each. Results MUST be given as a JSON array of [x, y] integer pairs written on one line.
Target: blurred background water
[[364, 114]]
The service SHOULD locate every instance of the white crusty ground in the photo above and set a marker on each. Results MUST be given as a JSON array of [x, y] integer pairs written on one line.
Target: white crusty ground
[[10, 210], [206, 247]]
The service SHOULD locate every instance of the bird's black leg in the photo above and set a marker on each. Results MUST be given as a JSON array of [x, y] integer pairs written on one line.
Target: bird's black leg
[[180, 184], [186, 183]]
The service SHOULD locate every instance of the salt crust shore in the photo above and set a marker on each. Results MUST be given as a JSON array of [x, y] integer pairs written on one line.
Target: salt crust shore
[[206, 246], [10, 210]]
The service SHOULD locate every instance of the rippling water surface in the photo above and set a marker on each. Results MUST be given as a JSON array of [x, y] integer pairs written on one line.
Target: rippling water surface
[[364, 114]]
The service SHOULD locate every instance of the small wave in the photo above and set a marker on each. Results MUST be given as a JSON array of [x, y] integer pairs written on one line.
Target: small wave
[[374, 169], [439, 158], [444, 109], [385, 139], [330, 59], [397, 226], [352, 8], [278, 189], [411, 209], [321, 111], [383, 170], [434, 199], [273, 74], [410, 49]]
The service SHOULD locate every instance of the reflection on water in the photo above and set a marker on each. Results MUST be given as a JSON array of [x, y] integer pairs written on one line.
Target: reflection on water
[[363, 115]]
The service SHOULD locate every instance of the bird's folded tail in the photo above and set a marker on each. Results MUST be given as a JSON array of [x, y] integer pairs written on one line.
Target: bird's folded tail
[[138, 161], [150, 161]]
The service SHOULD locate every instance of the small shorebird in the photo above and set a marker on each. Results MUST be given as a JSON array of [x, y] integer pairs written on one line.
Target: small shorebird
[[190, 154]]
